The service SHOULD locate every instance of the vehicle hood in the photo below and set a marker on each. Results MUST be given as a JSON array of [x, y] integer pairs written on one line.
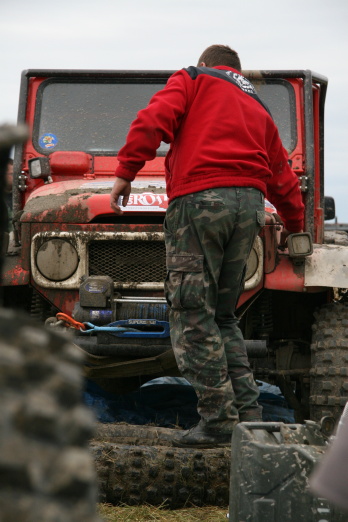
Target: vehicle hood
[[81, 201]]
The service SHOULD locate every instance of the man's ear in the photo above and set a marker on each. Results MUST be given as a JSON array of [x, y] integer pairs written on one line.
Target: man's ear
[[202, 64]]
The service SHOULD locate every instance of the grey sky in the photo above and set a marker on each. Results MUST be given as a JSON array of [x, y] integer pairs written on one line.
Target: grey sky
[[167, 34]]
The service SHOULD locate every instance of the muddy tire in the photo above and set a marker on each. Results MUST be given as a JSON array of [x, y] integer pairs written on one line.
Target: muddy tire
[[329, 366], [138, 465], [47, 472]]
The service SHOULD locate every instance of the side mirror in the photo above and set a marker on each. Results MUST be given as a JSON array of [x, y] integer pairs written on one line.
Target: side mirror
[[329, 208]]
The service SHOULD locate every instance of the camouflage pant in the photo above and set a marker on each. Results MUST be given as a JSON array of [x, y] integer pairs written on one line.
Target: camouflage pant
[[209, 236]]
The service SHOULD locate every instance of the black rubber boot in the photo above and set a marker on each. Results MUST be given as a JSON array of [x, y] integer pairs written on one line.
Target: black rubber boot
[[200, 437], [251, 415]]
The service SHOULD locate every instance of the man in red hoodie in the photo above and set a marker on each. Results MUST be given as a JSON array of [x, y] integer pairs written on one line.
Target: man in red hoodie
[[225, 156]]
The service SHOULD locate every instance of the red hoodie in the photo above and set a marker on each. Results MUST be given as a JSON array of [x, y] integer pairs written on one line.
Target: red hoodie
[[221, 136]]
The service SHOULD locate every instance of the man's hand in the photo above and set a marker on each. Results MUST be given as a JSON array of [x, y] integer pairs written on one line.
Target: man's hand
[[121, 187]]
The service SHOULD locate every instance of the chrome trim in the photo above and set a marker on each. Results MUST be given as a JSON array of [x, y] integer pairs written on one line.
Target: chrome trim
[[257, 277]]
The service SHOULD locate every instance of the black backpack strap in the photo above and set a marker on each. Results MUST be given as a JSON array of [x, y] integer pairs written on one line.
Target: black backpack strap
[[232, 77]]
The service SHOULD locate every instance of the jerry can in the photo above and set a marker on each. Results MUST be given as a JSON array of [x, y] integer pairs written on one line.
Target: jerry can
[[270, 468]]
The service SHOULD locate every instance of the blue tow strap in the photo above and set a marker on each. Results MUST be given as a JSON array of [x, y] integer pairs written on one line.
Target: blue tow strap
[[125, 328]]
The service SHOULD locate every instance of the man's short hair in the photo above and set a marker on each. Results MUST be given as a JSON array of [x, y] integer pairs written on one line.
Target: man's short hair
[[220, 55]]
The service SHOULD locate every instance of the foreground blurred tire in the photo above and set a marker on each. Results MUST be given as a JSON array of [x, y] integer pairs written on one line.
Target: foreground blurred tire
[[47, 473]]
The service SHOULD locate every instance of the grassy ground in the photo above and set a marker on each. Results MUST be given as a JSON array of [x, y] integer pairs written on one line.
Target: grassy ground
[[160, 514]]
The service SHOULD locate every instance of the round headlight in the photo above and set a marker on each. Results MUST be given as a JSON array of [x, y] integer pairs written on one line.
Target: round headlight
[[57, 259], [254, 268], [252, 264]]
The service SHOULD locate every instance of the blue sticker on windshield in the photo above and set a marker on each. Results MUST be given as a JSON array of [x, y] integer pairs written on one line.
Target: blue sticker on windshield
[[48, 141]]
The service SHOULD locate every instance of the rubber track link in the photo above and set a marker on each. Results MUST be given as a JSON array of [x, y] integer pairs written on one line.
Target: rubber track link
[[329, 368]]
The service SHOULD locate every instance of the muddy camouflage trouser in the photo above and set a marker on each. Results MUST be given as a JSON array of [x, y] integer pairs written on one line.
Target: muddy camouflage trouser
[[209, 236]]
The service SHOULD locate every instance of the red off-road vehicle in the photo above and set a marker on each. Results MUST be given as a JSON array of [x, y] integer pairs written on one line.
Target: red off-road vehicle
[[72, 255]]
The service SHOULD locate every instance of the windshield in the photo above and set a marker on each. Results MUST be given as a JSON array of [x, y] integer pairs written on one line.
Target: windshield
[[90, 117], [279, 97], [95, 117]]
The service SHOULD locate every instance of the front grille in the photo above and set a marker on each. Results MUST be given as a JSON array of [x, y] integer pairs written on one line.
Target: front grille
[[128, 261]]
